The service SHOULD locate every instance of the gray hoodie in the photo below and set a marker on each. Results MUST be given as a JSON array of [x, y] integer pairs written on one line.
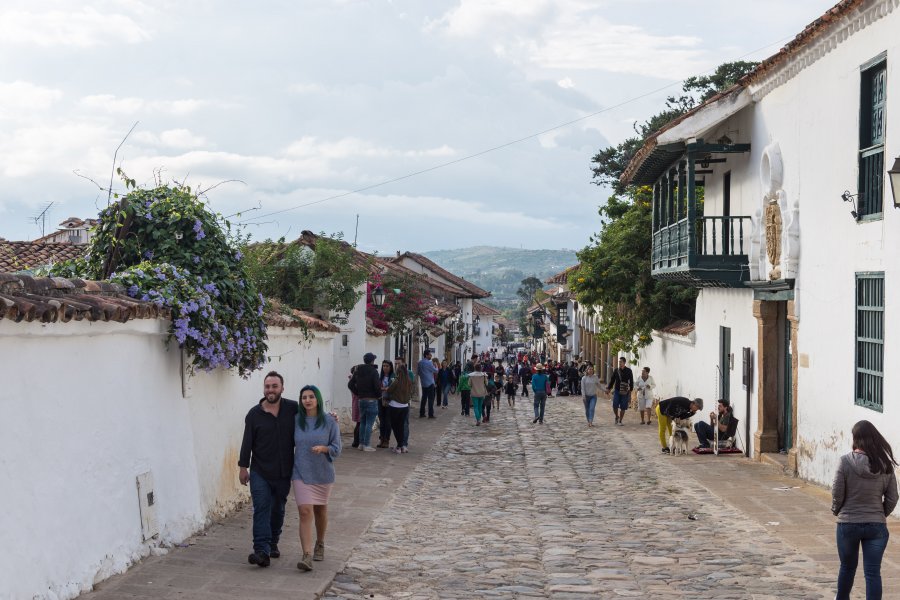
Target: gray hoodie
[[860, 496]]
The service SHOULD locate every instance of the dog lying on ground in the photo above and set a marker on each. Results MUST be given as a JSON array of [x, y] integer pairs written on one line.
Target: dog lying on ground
[[679, 440]]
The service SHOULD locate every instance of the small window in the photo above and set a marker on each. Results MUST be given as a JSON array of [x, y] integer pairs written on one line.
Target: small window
[[870, 340], [873, 98]]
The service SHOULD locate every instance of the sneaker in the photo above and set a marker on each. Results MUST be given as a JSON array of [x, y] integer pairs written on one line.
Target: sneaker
[[319, 551], [260, 559], [431, 416], [535, 421], [540, 421], [621, 423], [477, 423], [305, 563], [396, 450], [274, 552], [404, 450], [367, 449], [665, 450]]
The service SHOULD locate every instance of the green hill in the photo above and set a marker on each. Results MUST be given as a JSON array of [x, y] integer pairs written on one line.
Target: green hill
[[501, 270]]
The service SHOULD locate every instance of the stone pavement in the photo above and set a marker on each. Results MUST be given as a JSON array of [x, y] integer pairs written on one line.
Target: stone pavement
[[213, 564], [516, 510]]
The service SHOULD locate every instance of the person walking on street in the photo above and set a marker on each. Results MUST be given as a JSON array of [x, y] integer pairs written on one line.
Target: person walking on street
[[573, 376], [478, 382], [399, 394], [590, 385], [366, 384], [465, 392], [525, 378], [511, 389], [426, 372], [667, 411], [266, 464], [863, 494], [622, 383], [645, 386], [317, 442], [539, 385], [445, 380], [384, 422]]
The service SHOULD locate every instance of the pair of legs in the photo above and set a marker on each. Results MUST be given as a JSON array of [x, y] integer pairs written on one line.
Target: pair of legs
[[665, 429], [427, 398], [384, 425], [873, 537], [465, 401], [399, 418], [619, 405], [706, 433], [477, 406], [540, 401], [590, 403], [497, 397], [445, 395], [511, 399], [645, 413], [486, 408], [269, 498], [308, 514], [525, 385], [368, 411]]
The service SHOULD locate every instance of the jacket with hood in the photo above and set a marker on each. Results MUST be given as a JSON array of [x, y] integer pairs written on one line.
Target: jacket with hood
[[367, 382], [860, 496]]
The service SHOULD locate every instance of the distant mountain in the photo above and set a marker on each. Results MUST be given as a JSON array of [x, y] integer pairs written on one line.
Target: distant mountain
[[501, 270]]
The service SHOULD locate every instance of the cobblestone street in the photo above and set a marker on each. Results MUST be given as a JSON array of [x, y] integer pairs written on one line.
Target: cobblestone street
[[516, 510]]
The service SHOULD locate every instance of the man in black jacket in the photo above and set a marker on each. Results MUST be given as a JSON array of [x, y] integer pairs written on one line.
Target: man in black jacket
[[668, 410], [622, 383], [366, 384], [267, 450]]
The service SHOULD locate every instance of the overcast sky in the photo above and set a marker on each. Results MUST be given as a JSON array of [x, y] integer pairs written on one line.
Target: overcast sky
[[305, 100]]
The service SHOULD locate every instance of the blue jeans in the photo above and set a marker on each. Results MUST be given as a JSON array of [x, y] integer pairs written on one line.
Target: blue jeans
[[540, 399], [590, 403], [705, 433], [874, 538], [427, 397], [445, 392], [368, 410], [269, 497]]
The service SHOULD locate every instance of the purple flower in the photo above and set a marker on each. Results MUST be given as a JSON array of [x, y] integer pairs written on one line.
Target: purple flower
[[139, 272], [198, 225], [148, 254], [133, 291], [238, 255], [161, 276], [196, 260], [200, 235], [148, 216]]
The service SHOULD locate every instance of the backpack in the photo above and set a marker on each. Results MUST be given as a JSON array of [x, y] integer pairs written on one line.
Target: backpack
[[464, 385], [351, 385]]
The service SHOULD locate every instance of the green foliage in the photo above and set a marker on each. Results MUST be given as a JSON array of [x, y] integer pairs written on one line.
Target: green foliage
[[323, 280], [167, 247], [615, 267], [407, 306]]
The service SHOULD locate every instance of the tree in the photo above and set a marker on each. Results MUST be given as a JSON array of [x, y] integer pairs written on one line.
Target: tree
[[530, 289], [615, 267]]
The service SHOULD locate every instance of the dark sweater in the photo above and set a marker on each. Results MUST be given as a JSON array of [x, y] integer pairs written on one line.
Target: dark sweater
[[678, 407], [623, 375], [368, 383], [268, 444]]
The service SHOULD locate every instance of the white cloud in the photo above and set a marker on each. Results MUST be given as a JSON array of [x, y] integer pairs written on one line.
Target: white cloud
[[472, 17], [181, 139], [82, 28], [130, 105], [24, 96], [565, 83], [354, 147]]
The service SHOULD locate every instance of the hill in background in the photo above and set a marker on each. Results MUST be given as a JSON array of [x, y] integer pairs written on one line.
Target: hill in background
[[501, 270]]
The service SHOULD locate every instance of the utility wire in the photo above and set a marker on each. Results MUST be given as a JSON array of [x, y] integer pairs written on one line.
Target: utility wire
[[504, 145]]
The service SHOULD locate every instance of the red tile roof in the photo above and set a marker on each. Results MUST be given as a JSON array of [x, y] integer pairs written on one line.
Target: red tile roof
[[278, 314], [51, 299], [481, 309], [562, 276], [22, 256], [471, 290], [683, 328]]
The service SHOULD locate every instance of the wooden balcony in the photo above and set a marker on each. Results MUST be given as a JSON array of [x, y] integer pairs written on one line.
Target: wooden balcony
[[715, 256]]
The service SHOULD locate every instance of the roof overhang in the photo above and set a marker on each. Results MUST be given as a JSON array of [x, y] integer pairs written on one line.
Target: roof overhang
[[705, 119]]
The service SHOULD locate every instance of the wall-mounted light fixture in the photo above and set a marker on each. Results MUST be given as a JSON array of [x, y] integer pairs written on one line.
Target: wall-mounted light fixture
[[848, 197], [894, 176]]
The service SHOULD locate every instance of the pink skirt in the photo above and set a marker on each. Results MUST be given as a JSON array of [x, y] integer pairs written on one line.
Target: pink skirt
[[311, 494]]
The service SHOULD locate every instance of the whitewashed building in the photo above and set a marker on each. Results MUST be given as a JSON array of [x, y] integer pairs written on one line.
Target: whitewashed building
[[795, 243]]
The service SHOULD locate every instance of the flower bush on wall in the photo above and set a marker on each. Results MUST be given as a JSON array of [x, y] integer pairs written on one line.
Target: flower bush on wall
[[165, 246]]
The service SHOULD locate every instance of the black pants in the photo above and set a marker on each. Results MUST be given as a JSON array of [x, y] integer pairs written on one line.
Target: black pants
[[487, 408], [384, 423], [356, 435], [427, 398], [398, 418], [465, 399], [525, 385]]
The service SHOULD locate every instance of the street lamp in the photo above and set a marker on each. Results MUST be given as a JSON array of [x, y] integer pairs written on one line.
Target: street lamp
[[378, 296]]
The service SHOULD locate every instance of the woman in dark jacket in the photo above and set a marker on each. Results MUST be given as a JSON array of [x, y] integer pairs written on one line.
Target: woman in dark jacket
[[863, 494]]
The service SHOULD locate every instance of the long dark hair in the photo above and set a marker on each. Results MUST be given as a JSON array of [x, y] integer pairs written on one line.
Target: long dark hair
[[387, 363], [869, 440], [320, 408]]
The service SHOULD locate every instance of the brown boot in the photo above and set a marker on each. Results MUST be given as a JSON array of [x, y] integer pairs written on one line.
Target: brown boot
[[319, 551], [305, 563]]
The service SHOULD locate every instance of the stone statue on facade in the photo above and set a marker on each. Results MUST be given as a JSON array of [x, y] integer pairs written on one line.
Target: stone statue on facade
[[773, 237]]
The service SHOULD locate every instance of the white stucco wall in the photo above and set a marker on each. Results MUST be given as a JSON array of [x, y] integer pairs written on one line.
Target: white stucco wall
[[96, 404], [350, 354]]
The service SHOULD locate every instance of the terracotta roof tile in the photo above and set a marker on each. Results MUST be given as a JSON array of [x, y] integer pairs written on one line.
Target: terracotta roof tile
[[472, 290], [483, 310], [51, 299], [683, 328], [21, 256], [278, 315], [562, 276]]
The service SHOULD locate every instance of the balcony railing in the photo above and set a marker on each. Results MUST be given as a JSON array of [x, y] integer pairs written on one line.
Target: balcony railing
[[718, 256], [723, 236]]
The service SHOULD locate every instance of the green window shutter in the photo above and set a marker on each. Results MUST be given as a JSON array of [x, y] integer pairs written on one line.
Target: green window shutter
[[873, 99], [870, 340]]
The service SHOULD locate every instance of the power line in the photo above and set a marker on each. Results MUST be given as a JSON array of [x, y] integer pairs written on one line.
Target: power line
[[501, 146]]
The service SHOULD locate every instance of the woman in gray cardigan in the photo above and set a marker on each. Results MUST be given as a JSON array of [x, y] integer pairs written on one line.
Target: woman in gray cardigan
[[863, 494]]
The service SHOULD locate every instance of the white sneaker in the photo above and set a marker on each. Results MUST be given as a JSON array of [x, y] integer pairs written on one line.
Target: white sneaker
[[368, 449]]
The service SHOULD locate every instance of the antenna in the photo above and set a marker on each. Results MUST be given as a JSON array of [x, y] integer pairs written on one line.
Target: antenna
[[356, 231], [41, 218]]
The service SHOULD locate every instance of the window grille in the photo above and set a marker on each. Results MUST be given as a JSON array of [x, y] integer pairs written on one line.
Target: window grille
[[873, 97], [870, 340]]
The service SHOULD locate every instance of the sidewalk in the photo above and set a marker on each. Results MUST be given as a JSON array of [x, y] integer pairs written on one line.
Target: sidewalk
[[214, 564]]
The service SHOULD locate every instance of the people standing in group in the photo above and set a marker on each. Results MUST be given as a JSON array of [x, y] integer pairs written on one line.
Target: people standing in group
[[465, 391], [399, 393], [317, 442], [354, 409], [445, 381], [384, 423], [668, 410], [366, 384], [511, 389], [478, 383], [863, 494], [645, 386], [622, 383], [540, 384], [266, 463], [455, 372], [426, 372], [590, 385]]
